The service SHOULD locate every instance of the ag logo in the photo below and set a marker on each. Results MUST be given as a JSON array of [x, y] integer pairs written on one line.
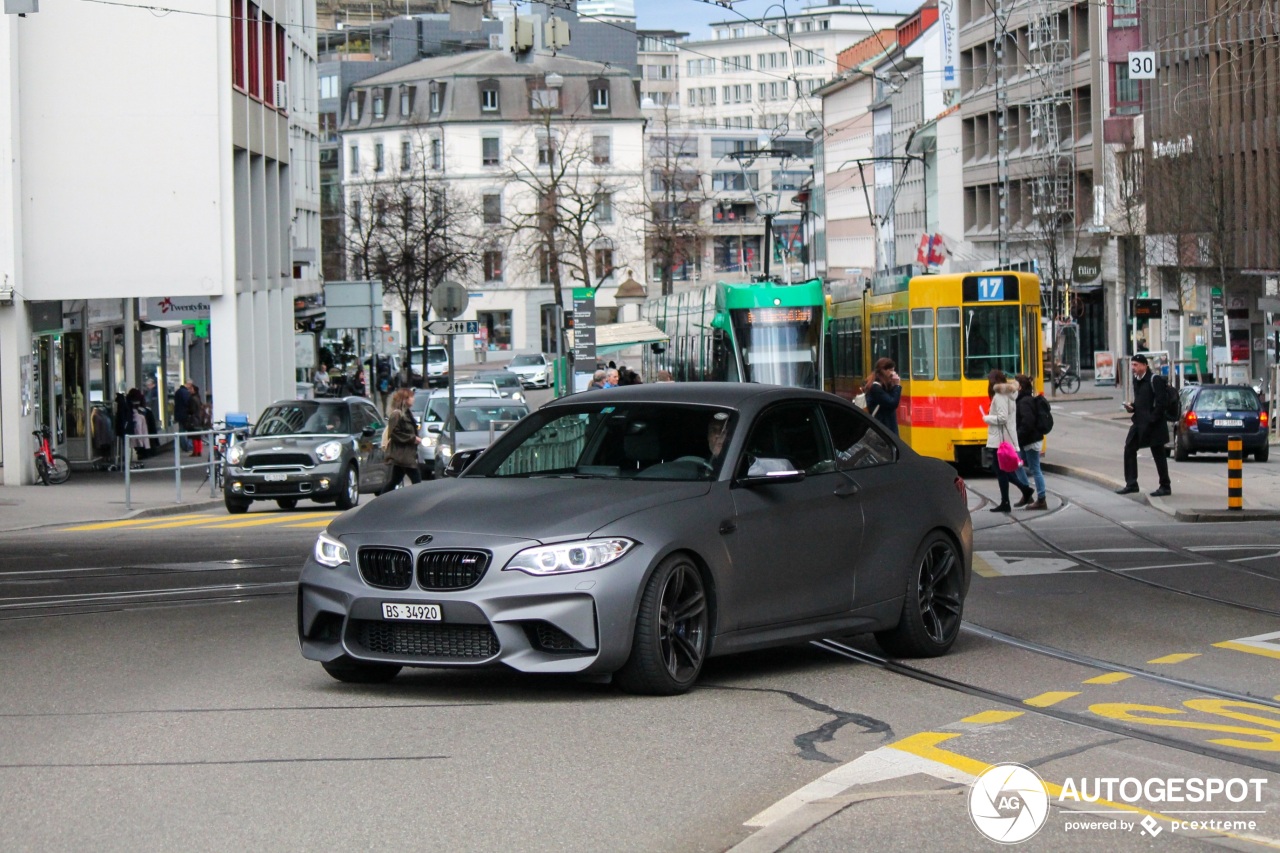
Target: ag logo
[[1008, 803]]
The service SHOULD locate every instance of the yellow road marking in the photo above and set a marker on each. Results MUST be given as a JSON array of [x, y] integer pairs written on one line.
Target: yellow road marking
[[983, 568], [1053, 697], [255, 522], [324, 522], [133, 522], [1109, 678], [992, 717], [189, 522], [1249, 649], [1178, 658]]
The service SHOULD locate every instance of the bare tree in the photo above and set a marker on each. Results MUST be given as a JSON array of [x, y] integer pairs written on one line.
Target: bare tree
[[564, 205], [411, 230], [673, 202]]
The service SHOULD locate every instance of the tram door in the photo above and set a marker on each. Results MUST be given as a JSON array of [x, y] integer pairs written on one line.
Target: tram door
[[1031, 354]]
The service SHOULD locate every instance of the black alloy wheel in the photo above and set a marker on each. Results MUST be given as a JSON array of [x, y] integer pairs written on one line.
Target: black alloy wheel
[[670, 641], [934, 602]]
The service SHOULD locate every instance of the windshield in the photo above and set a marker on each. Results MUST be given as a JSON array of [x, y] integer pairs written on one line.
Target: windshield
[[304, 417], [527, 361], [780, 346], [502, 380], [633, 441], [1227, 400], [478, 418], [991, 340]]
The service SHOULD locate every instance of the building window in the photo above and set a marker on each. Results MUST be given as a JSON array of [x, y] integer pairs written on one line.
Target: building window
[[544, 99], [1128, 92], [436, 153], [600, 149], [406, 154], [489, 151], [604, 263], [353, 107], [493, 265], [237, 44], [255, 71], [603, 207], [268, 60], [437, 98], [492, 209], [379, 104], [544, 265], [355, 159], [379, 157], [329, 86], [497, 325], [546, 150], [600, 97], [406, 101]]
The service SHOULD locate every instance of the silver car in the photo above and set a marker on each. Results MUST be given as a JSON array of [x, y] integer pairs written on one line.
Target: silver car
[[637, 531], [534, 370]]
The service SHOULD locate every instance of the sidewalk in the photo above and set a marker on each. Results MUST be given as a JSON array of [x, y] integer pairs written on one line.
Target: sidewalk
[[1087, 443]]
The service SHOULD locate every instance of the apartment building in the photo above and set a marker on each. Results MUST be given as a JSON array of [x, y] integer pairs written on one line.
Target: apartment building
[[489, 128], [176, 260]]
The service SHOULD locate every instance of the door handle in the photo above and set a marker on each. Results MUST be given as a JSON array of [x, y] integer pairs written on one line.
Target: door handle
[[728, 526]]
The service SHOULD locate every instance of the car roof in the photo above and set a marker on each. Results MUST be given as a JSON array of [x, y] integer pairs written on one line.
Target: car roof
[[727, 394], [323, 401]]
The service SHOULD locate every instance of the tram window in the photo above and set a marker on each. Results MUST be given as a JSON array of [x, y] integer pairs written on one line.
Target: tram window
[[948, 343], [922, 343], [857, 443], [889, 336], [991, 340]]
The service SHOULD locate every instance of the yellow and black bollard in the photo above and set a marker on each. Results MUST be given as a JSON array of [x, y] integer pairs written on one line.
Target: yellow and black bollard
[[1235, 472]]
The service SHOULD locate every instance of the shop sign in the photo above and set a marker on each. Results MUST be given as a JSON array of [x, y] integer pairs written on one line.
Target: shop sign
[[584, 330], [1218, 318], [175, 308], [1086, 270]]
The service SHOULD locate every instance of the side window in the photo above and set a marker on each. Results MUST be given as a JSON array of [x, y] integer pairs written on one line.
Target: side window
[[789, 432], [358, 419], [857, 443], [370, 416]]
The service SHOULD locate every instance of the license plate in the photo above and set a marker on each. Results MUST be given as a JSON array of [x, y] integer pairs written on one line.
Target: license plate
[[412, 612], [275, 478], [1229, 423]]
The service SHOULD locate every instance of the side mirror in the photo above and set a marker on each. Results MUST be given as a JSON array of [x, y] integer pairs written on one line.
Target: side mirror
[[460, 460], [765, 470], [368, 431], [435, 426]]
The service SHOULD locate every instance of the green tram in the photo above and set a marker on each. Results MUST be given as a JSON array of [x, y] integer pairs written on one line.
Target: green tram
[[763, 332]]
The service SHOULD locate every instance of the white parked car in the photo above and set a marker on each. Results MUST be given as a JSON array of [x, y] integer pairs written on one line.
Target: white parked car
[[533, 369]]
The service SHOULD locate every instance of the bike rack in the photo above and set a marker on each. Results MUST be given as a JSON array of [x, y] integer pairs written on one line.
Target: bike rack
[[177, 468]]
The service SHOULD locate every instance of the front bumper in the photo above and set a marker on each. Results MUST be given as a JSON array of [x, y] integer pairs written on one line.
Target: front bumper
[[324, 481], [573, 623], [533, 380]]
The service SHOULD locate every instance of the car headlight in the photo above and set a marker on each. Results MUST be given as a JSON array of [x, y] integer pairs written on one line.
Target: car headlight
[[330, 552], [235, 455], [518, 397], [429, 438], [444, 452], [330, 451], [582, 555]]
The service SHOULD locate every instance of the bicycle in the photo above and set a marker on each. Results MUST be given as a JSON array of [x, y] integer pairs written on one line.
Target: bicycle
[[225, 437], [52, 468], [1065, 379]]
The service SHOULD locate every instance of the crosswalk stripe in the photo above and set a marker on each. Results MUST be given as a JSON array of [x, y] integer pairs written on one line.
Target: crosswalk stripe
[[132, 522]]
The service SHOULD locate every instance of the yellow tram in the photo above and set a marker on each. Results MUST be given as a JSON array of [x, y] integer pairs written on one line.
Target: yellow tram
[[945, 333]]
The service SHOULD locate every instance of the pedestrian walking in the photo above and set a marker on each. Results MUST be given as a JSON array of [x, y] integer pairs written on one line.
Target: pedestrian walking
[[1031, 437], [182, 413], [1150, 397], [883, 393], [400, 440], [1002, 427]]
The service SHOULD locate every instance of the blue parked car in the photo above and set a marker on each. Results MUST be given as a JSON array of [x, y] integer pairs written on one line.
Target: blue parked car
[[1210, 414]]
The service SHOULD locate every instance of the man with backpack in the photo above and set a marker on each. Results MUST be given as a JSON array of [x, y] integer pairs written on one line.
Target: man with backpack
[[1035, 421], [1150, 403]]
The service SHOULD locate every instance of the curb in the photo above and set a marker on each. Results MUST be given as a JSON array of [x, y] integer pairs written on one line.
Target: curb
[[172, 509], [1187, 515]]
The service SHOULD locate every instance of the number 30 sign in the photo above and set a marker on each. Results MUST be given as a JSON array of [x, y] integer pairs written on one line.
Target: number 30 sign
[[1142, 65]]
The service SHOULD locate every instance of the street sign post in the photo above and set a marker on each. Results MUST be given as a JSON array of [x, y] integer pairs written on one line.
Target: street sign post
[[453, 327]]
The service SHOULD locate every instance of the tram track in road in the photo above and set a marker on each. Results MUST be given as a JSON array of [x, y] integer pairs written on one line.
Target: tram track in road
[[1193, 556], [81, 603], [1094, 722]]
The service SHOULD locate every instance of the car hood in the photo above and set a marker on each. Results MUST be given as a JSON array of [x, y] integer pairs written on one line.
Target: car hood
[[538, 509], [290, 442]]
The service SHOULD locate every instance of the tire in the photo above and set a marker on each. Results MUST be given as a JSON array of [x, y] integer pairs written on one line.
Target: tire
[[42, 470], [350, 494], [286, 503], [237, 506], [934, 603], [60, 470], [668, 650], [1071, 383], [354, 672], [1180, 452], [1262, 453]]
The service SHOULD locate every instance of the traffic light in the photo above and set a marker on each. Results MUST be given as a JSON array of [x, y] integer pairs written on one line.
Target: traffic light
[[568, 318]]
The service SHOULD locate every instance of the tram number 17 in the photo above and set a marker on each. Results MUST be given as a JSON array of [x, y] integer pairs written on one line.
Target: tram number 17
[[991, 289]]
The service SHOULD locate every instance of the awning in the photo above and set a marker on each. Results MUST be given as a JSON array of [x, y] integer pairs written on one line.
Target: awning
[[617, 336]]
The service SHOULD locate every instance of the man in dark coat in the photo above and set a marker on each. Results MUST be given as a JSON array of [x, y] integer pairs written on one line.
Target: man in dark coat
[[1149, 430], [182, 413]]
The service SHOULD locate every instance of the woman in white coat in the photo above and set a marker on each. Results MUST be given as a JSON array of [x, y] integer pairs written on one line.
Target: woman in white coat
[[1002, 425]]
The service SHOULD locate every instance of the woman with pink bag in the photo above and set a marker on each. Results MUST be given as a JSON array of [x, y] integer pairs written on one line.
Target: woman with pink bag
[[1002, 439]]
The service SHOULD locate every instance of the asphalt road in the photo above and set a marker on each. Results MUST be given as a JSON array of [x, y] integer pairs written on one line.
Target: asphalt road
[[153, 697]]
